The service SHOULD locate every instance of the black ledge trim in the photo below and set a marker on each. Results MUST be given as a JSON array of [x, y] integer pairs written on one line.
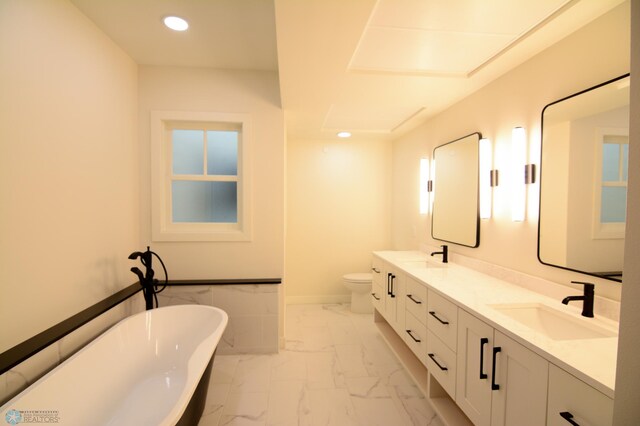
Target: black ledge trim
[[35, 344], [227, 281]]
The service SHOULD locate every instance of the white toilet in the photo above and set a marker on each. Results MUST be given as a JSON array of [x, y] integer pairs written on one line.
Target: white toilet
[[360, 286]]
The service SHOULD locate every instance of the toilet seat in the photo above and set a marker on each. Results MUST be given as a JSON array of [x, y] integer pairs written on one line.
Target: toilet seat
[[361, 277]]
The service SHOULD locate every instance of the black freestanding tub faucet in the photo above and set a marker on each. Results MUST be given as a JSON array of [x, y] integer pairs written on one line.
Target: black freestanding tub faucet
[[147, 281]]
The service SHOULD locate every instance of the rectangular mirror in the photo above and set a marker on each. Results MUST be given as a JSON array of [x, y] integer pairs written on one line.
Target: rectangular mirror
[[583, 180], [455, 217]]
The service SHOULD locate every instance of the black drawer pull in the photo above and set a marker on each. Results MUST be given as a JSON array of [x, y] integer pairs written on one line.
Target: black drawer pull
[[392, 294], [494, 385], [417, 302], [433, 314], [374, 296], [568, 417], [414, 339], [377, 271], [437, 363], [483, 341]]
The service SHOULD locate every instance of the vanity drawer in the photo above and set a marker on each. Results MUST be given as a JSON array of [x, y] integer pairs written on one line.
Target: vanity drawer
[[442, 319], [416, 299], [441, 363], [415, 335], [576, 400], [377, 271]]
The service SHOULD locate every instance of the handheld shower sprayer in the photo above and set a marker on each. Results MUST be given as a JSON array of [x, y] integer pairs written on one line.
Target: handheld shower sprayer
[[147, 281]]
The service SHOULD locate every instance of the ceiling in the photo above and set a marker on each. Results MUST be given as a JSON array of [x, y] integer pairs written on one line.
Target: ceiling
[[377, 68]]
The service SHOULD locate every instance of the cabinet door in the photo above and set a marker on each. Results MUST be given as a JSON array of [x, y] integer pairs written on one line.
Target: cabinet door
[[572, 399], [395, 304], [522, 377], [390, 305], [473, 377]]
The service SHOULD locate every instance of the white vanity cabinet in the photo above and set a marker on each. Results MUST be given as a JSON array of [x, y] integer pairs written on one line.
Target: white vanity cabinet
[[388, 293], [572, 400], [442, 325], [481, 369], [499, 381], [377, 284], [415, 317], [394, 305]]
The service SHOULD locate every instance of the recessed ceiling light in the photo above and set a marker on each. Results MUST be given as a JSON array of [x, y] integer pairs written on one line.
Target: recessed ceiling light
[[176, 23], [344, 134]]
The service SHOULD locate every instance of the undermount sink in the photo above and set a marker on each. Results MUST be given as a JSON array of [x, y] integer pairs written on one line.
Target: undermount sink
[[555, 324], [422, 263]]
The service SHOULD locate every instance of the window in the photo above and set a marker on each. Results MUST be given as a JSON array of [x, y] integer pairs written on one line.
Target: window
[[200, 177], [611, 186]]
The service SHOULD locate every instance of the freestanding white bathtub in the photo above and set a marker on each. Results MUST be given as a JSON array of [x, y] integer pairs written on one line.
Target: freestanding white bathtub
[[149, 369]]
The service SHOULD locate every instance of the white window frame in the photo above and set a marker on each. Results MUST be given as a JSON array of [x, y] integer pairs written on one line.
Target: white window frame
[[162, 226], [599, 230]]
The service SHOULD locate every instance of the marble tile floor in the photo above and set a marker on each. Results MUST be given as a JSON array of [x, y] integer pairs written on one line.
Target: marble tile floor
[[335, 370]]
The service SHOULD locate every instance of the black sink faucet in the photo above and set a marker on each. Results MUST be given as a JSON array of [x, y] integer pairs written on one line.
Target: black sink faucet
[[444, 253], [587, 298]]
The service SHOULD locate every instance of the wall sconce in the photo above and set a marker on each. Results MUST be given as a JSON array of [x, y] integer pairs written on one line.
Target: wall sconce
[[488, 178], [425, 186], [520, 170]]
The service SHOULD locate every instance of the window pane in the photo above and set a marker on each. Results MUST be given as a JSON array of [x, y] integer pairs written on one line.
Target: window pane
[[625, 161], [610, 162], [614, 204], [188, 152], [211, 202], [222, 153]]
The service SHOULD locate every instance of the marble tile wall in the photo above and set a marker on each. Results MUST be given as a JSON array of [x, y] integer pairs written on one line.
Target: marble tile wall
[[252, 310], [29, 371]]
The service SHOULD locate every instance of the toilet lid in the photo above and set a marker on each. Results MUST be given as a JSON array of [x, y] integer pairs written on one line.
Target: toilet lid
[[361, 277]]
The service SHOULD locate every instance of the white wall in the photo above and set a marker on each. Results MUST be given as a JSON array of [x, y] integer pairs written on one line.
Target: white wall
[[337, 214], [626, 407], [593, 54], [68, 166], [208, 90]]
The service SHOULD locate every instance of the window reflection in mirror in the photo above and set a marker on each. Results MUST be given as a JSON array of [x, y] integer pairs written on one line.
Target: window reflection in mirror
[[455, 217], [583, 180]]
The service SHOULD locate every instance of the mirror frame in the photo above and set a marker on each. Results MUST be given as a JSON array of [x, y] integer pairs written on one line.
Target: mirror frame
[[567, 268], [477, 210]]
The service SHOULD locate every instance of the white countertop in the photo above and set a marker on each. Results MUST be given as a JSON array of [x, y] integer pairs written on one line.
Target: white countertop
[[591, 360]]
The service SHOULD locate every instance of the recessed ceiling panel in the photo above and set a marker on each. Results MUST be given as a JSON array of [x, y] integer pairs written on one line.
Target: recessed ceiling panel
[[438, 52], [484, 16], [450, 37], [368, 118]]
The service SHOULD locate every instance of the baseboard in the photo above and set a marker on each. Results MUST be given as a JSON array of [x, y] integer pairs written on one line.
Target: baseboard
[[326, 298]]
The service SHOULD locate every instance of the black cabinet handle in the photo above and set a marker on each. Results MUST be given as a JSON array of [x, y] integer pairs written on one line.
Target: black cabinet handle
[[568, 417], [374, 296], [433, 314], [388, 283], [377, 271], [483, 341], [494, 386], [411, 335], [437, 363], [417, 302], [393, 277]]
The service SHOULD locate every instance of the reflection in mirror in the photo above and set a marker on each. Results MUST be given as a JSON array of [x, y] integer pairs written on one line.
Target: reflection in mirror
[[583, 180], [455, 191]]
